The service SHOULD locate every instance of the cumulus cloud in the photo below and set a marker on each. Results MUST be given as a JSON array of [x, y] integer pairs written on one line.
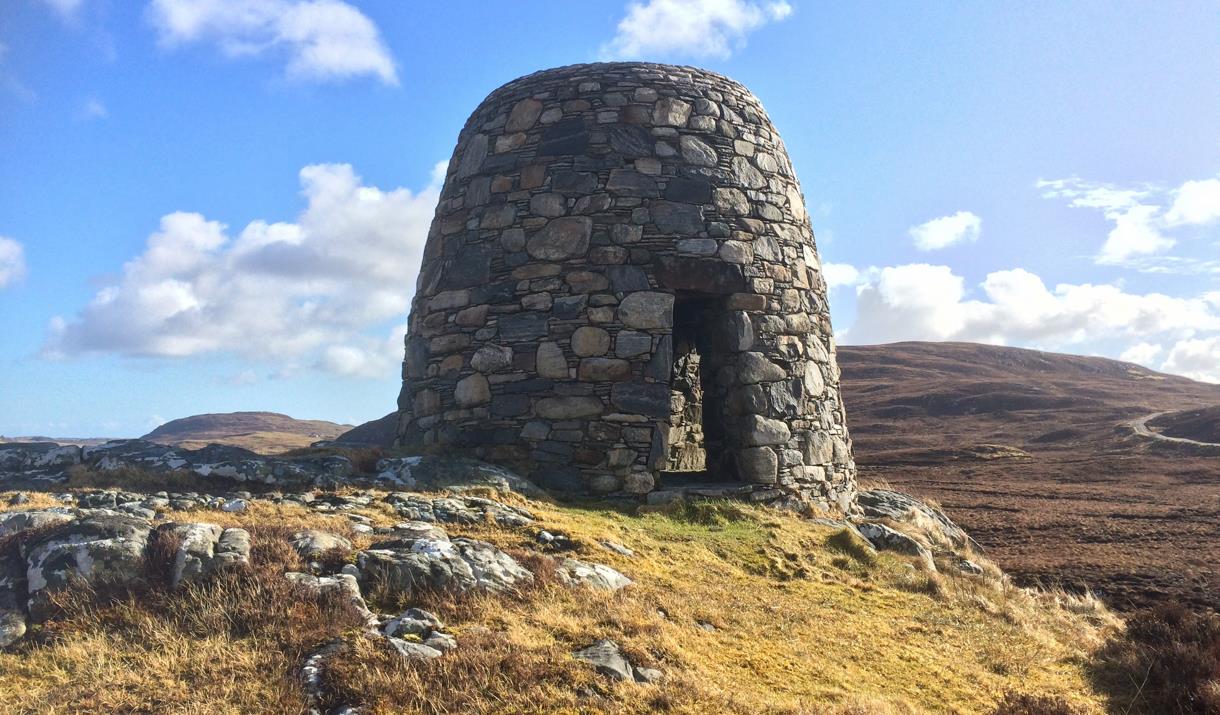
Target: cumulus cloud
[[1142, 353], [12, 261], [1197, 358], [1195, 202], [319, 291], [927, 302], [945, 231], [840, 274], [322, 40], [1141, 216], [695, 28]]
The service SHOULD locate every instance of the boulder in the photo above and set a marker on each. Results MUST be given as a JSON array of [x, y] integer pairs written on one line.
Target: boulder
[[412, 622], [459, 565], [885, 538], [606, 659], [343, 585], [461, 510], [103, 547], [414, 651], [204, 549], [888, 504], [438, 472], [312, 543], [573, 572]]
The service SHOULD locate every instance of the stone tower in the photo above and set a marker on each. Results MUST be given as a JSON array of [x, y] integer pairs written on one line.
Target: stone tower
[[620, 292]]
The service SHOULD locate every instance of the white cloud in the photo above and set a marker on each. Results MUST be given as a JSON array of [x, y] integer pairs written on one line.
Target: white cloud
[[12, 261], [840, 274], [945, 231], [1195, 202], [318, 291], [1139, 216], [323, 40], [926, 302], [93, 108], [1197, 358], [696, 28], [1142, 353]]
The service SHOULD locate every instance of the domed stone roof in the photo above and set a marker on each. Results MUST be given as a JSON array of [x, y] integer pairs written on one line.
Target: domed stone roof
[[620, 292]]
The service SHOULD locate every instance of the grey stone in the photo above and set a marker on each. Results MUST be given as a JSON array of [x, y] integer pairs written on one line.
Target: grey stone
[[573, 572], [606, 659], [567, 408], [696, 152], [885, 538], [560, 239], [758, 430], [550, 361], [523, 327], [550, 205], [492, 358], [625, 182], [647, 310], [672, 112], [590, 342], [644, 398], [697, 246], [682, 219], [629, 343], [600, 369], [100, 547], [472, 390], [473, 156], [758, 465], [523, 115], [312, 543], [754, 367]]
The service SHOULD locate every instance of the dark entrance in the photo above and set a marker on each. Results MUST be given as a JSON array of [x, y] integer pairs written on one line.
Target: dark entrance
[[696, 430]]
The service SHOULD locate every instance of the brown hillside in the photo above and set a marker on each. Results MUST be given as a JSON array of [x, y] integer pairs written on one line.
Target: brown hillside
[[262, 432], [1032, 452]]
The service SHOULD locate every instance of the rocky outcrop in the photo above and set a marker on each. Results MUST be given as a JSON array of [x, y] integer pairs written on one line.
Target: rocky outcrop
[[889, 504], [204, 549], [406, 567], [434, 473], [607, 659], [574, 572]]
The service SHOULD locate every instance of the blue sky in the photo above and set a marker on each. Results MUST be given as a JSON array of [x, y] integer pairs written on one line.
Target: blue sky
[[218, 205]]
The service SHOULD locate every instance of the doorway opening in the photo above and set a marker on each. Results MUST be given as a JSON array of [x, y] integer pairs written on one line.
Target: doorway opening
[[696, 438]]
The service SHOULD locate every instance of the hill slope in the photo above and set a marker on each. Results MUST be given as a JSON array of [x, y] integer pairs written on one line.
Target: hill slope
[[262, 432], [739, 609], [1080, 498]]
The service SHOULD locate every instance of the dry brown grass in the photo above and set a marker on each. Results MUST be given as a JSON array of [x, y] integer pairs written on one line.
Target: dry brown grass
[[232, 644], [806, 620]]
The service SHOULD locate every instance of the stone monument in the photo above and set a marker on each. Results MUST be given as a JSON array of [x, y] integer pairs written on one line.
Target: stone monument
[[620, 293]]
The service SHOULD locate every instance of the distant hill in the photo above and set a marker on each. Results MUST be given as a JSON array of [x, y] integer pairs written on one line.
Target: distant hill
[[262, 432], [1035, 454], [378, 433], [78, 441]]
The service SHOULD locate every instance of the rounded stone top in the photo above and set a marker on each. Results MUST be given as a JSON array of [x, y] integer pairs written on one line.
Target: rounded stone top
[[647, 72]]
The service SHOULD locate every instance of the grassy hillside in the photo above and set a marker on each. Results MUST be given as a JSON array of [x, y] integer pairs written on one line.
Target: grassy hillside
[[1034, 454], [745, 610]]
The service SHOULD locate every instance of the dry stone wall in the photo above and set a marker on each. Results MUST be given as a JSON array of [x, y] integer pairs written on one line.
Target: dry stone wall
[[582, 208]]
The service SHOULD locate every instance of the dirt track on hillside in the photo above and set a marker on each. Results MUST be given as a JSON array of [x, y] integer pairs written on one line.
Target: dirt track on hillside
[[1097, 503]]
